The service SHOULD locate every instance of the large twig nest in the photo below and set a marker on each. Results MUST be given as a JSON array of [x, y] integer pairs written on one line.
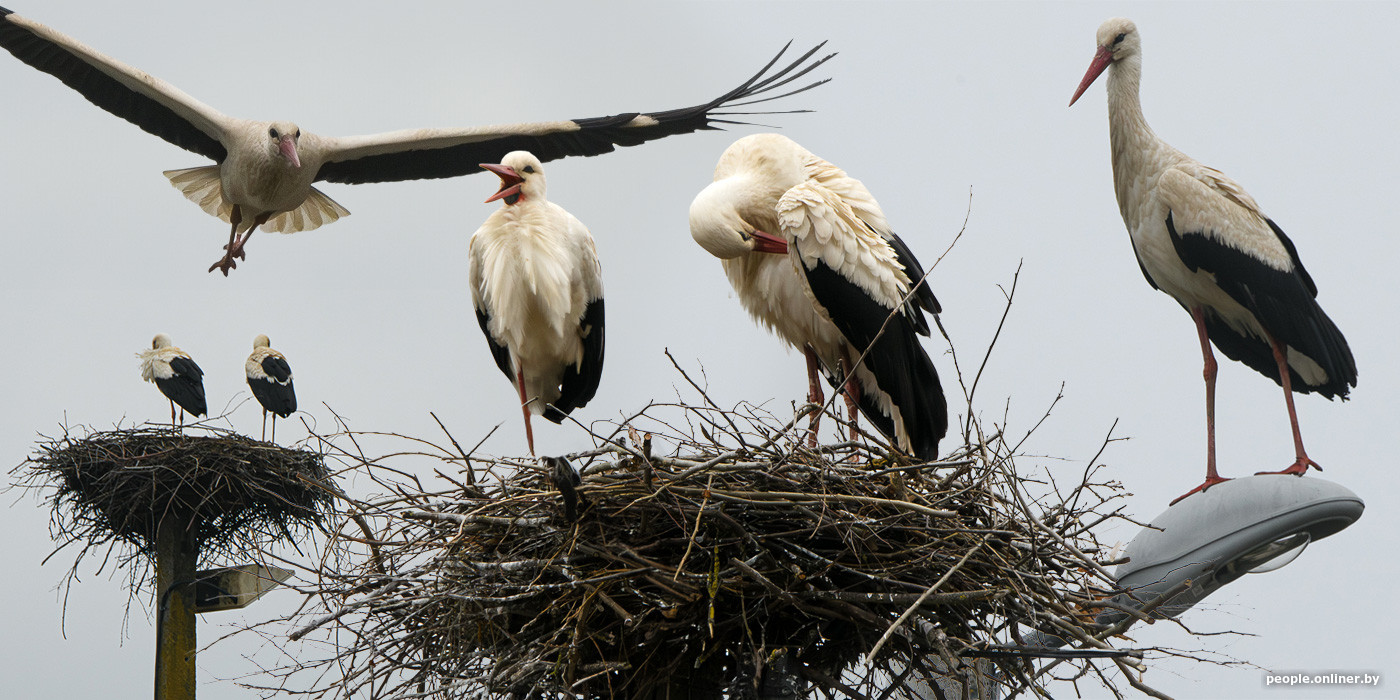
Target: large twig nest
[[227, 490]]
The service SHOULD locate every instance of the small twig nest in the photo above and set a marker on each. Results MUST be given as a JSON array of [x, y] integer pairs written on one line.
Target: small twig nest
[[231, 491]]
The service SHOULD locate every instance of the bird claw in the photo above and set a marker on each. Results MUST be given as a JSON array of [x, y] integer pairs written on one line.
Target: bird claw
[[1209, 482], [224, 265], [1298, 468]]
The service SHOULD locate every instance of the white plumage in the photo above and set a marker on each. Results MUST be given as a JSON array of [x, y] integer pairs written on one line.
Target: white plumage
[[1201, 238], [270, 379], [264, 170], [810, 255], [537, 290], [177, 376]]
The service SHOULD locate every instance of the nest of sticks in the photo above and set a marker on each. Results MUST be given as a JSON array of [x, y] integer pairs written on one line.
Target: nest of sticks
[[227, 492], [715, 571]]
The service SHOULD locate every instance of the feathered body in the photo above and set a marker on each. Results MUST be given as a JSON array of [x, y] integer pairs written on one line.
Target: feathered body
[[842, 274], [175, 373], [270, 378], [538, 293]]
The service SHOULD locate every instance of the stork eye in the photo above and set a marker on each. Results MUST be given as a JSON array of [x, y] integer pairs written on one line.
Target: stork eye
[[1119, 39], [272, 132], [297, 135], [528, 169]]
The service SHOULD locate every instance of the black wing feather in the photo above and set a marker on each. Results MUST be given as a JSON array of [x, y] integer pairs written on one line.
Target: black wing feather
[[105, 91], [500, 352], [923, 296], [595, 136], [1283, 302], [278, 393], [186, 387], [580, 381], [901, 367]]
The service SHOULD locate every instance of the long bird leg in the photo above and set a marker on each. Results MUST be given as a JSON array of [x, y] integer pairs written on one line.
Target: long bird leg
[[1301, 464], [274, 428], [172, 414], [264, 428], [525, 407], [814, 394], [226, 263], [237, 250], [1209, 372], [851, 390]]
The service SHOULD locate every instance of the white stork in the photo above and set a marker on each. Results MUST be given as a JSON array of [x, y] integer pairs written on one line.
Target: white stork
[[270, 378], [538, 293], [264, 170], [811, 257], [177, 376], [1201, 238]]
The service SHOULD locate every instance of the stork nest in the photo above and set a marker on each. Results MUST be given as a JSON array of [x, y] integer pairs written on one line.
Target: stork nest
[[715, 572], [226, 490]]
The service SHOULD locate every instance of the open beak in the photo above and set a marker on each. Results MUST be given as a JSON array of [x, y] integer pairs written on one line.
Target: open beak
[[768, 243], [1102, 58], [288, 146], [510, 181]]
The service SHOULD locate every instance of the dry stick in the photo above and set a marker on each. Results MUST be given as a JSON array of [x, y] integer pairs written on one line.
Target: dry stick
[[466, 460], [690, 544], [889, 631]]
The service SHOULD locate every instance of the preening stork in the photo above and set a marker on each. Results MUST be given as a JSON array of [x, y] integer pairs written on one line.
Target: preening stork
[[538, 293], [1201, 238], [264, 170], [811, 257], [177, 376], [270, 378]]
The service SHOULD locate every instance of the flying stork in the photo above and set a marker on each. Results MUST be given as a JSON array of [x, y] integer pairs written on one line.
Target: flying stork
[[537, 290], [264, 170], [177, 376], [810, 255], [270, 378], [1202, 239]]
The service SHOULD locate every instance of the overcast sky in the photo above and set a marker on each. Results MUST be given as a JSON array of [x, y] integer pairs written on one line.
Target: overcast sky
[[928, 102]]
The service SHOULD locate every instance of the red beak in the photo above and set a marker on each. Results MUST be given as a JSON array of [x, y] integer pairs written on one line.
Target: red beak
[[288, 146], [510, 181], [768, 243], [1102, 58]]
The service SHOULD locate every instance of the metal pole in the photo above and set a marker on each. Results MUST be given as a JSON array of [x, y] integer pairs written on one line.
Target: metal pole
[[175, 617]]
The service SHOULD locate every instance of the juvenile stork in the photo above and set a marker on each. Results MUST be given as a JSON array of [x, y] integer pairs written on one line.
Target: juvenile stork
[[810, 255], [1201, 238], [177, 376], [264, 170], [538, 293], [270, 378]]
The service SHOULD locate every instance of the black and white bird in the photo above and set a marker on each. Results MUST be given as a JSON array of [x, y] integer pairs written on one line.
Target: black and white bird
[[177, 376], [537, 289], [270, 378], [264, 170], [1201, 238], [811, 257]]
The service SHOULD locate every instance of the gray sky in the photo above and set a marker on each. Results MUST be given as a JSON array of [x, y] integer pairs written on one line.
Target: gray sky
[[928, 102]]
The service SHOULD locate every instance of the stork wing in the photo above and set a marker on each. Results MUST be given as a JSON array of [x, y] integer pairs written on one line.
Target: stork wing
[[436, 153], [854, 274], [130, 93], [499, 352], [580, 381]]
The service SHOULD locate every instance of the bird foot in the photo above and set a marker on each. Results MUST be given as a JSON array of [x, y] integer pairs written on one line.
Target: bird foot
[[224, 264], [1209, 482], [1298, 468]]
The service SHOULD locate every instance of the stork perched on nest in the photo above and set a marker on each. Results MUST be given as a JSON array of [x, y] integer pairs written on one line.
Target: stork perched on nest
[[270, 378], [537, 289], [264, 170], [811, 256], [177, 376], [1201, 238]]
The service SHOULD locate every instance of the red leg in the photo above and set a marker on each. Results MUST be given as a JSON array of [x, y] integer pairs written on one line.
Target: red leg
[[237, 249], [1302, 462], [172, 414], [226, 263], [525, 407], [851, 390], [1212, 478], [814, 394], [264, 428]]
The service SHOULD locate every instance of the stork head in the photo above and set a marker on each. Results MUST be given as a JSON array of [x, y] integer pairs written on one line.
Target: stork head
[[282, 140], [522, 177], [718, 224], [1117, 39], [161, 341], [261, 342]]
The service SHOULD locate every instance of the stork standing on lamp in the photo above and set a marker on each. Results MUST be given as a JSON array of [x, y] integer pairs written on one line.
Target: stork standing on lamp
[[1199, 237]]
